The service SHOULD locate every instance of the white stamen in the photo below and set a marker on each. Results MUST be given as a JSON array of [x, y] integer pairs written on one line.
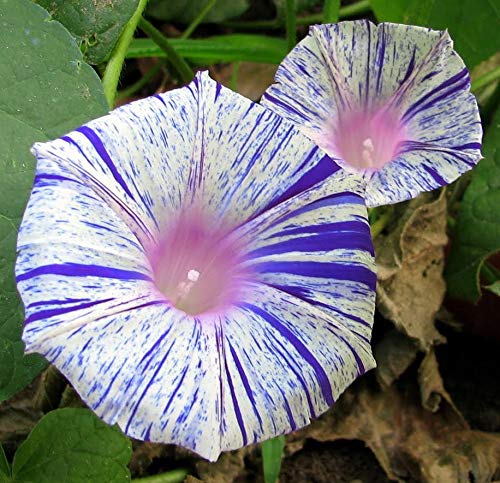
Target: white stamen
[[368, 144], [185, 287], [193, 275], [367, 153]]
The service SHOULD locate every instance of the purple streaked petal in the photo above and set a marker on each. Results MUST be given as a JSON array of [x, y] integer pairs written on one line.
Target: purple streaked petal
[[390, 86], [301, 248], [288, 362], [136, 216]]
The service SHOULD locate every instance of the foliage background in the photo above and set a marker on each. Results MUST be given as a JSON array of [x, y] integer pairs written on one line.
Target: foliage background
[[429, 412]]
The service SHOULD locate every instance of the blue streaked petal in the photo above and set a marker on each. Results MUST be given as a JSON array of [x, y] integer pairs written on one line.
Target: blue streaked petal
[[286, 362], [238, 135], [101, 197], [411, 71], [317, 247], [148, 368]]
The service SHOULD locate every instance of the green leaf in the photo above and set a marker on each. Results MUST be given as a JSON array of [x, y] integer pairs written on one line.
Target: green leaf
[[477, 233], [73, 445], [494, 288], [4, 466], [185, 11], [95, 25], [226, 48], [46, 91], [272, 453], [473, 24]]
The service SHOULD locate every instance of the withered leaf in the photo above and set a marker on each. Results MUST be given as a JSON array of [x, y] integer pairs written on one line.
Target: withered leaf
[[409, 441], [432, 390], [394, 354], [410, 261]]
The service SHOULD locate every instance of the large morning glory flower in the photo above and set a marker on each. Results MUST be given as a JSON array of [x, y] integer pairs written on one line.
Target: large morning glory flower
[[389, 101], [198, 269]]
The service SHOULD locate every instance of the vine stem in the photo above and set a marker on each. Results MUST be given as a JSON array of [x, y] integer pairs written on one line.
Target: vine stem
[[203, 13], [380, 223], [291, 24], [178, 63], [114, 67]]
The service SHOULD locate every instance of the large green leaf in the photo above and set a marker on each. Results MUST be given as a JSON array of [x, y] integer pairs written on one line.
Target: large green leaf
[[477, 234], [185, 11], [46, 91], [95, 25], [473, 24], [74, 446]]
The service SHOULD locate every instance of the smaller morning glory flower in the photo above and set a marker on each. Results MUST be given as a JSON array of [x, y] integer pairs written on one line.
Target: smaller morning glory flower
[[198, 269], [390, 101]]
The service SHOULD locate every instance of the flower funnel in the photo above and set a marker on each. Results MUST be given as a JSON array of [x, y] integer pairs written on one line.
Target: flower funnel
[[390, 102], [198, 269]]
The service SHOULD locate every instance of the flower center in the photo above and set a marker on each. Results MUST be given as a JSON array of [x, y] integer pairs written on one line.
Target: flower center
[[195, 265], [368, 141]]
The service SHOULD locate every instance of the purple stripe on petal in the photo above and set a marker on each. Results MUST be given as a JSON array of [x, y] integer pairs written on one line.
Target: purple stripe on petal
[[282, 104], [41, 177], [435, 175], [95, 140], [341, 226], [343, 198], [237, 409], [361, 366], [45, 314], [316, 243], [172, 396], [414, 108], [148, 385], [104, 395], [284, 356], [468, 146], [321, 375], [79, 270], [335, 271], [325, 168], [305, 294], [55, 302], [246, 384]]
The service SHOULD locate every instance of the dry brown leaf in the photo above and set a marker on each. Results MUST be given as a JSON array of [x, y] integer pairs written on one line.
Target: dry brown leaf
[[432, 390], [394, 354], [409, 441], [410, 262]]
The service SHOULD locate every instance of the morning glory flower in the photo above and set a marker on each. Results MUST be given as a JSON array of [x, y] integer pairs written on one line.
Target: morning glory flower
[[198, 269], [390, 101]]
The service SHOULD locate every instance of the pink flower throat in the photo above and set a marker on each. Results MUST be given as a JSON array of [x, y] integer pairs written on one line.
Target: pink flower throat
[[196, 266], [368, 140]]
